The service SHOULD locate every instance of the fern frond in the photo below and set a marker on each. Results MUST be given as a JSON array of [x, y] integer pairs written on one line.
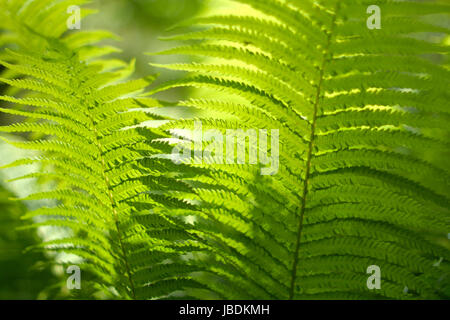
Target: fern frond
[[110, 192], [360, 113]]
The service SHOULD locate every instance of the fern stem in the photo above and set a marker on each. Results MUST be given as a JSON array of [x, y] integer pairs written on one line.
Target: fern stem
[[113, 207], [116, 219], [310, 156]]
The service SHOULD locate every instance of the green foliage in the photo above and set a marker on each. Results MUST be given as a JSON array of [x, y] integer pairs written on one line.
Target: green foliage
[[111, 191], [360, 112], [24, 274], [362, 116]]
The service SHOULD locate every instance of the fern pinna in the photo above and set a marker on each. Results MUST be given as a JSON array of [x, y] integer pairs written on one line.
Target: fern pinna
[[108, 188], [362, 115]]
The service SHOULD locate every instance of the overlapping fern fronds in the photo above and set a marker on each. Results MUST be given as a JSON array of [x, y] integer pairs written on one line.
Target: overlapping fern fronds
[[363, 114], [111, 194]]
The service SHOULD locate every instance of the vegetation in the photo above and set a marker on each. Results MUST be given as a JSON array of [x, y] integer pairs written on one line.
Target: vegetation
[[363, 136]]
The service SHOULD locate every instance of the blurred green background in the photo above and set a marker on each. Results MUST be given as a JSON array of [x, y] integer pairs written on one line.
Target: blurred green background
[[140, 24]]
